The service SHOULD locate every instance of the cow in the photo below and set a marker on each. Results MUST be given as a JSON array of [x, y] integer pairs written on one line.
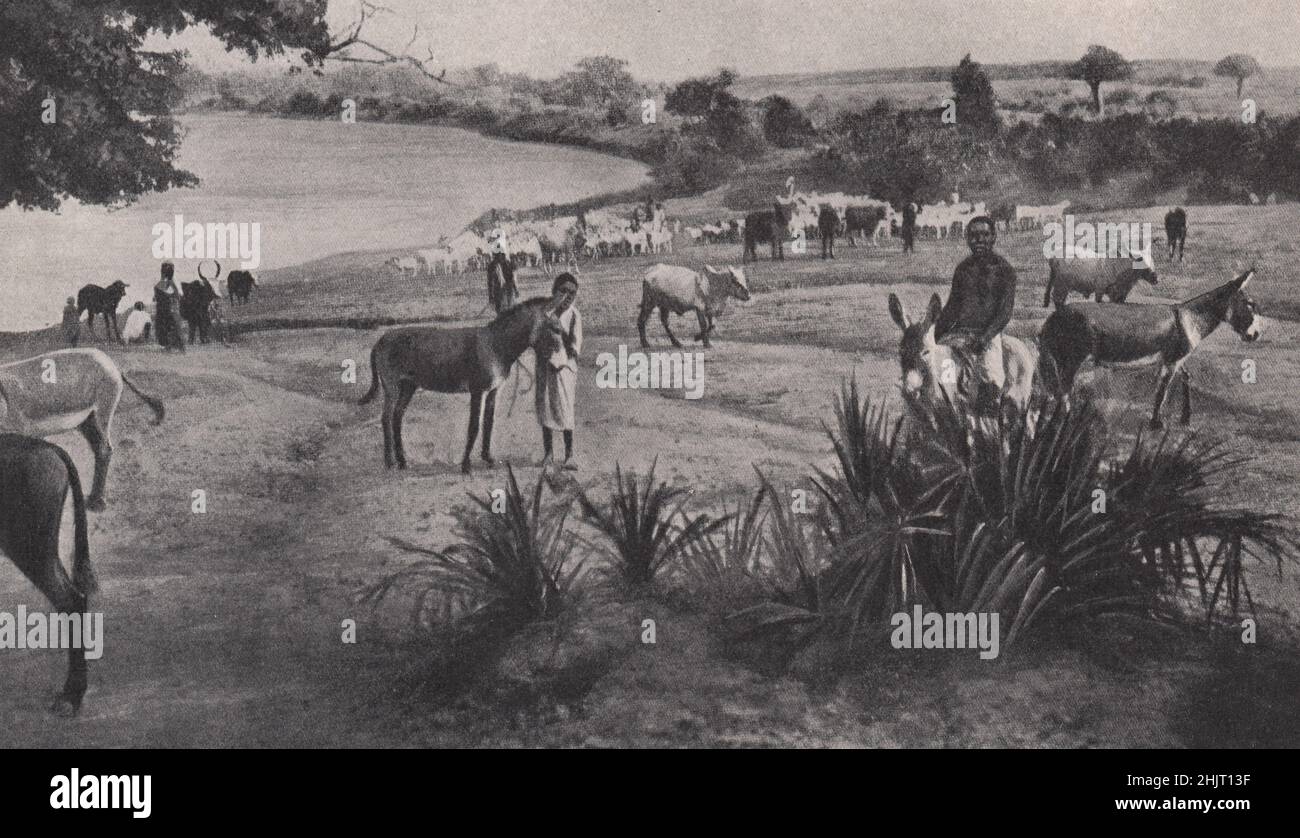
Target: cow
[[1094, 276], [241, 285], [677, 289], [828, 224], [864, 220], [103, 301], [35, 479], [196, 305], [1176, 230], [768, 226]]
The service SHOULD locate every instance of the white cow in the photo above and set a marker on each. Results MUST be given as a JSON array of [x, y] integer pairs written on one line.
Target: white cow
[[676, 289]]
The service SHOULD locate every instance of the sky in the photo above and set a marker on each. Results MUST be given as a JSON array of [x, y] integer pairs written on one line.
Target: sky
[[673, 39]]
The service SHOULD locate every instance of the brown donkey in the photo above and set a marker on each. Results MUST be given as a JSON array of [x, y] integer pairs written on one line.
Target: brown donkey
[[474, 360]]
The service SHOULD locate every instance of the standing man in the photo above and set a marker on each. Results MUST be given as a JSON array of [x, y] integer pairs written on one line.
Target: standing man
[[979, 307], [909, 227], [556, 378], [167, 307], [72, 322], [502, 291]]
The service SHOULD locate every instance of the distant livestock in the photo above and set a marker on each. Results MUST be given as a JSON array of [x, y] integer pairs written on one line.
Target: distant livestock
[[196, 305], [1176, 230], [677, 290], [404, 265], [869, 222], [1094, 276], [1028, 217], [828, 224], [240, 284], [769, 226], [35, 480], [103, 301], [82, 396]]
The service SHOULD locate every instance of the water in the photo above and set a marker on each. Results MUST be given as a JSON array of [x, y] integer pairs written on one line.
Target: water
[[314, 187]]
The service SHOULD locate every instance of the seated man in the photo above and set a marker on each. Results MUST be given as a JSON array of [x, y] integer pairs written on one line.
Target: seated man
[[138, 325], [979, 307]]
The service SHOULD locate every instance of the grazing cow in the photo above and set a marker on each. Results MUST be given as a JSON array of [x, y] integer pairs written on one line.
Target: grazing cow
[[828, 224], [1176, 231], [865, 220], [769, 226], [677, 289], [474, 360], [1142, 335], [103, 301], [404, 265], [923, 361], [241, 285], [65, 390], [35, 480], [1094, 276], [196, 305]]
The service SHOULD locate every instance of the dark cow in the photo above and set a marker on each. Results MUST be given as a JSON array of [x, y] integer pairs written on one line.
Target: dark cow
[[241, 285], [103, 301], [1176, 231], [35, 480], [769, 226], [196, 305], [864, 220], [828, 224]]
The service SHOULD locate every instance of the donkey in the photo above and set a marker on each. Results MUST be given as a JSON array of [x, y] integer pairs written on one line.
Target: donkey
[[103, 301], [930, 367], [65, 390], [1142, 335], [474, 360], [35, 478]]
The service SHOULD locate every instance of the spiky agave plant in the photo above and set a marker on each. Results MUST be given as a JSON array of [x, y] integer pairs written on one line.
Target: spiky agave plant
[[722, 564], [508, 568], [640, 523]]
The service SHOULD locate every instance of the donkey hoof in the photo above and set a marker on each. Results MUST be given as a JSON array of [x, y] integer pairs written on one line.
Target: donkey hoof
[[66, 706], [96, 504], [401, 465], [465, 468], [1156, 425], [488, 461]]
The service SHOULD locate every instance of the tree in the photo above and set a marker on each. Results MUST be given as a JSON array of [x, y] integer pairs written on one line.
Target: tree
[[1237, 66], [1098, 65], [711, 108], [977, 107], [599, 82], [784, 124], [85, 110]]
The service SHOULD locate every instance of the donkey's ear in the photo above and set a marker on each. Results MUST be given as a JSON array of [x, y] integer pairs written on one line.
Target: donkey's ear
[[711, 269], [936, 307], [897, 312], [1245, 278]]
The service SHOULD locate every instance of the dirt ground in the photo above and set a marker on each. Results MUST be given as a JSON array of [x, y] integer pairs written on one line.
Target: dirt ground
[[224, 628]]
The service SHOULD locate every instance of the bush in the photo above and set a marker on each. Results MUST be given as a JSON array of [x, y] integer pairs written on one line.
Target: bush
[[303, 103]]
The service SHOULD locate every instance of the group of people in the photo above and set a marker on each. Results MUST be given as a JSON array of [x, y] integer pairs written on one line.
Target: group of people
[[169, 328]]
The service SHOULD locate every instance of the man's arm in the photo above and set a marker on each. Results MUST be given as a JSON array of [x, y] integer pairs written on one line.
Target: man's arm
[[948, 315]]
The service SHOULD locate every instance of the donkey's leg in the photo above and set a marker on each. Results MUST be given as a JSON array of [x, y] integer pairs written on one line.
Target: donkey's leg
[[475, 410], [489, 416], [386, 420], [1162, 389], [97, 437], [663, 318], [39, 562], [405, 390], [1187, 394]]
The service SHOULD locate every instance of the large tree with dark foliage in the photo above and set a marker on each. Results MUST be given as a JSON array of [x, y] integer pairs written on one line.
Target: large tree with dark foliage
[[85, 109], [977, 106], [1098, 65]]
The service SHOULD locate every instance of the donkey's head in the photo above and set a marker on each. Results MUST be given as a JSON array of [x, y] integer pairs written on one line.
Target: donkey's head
[[1242, 314], [917, 349]]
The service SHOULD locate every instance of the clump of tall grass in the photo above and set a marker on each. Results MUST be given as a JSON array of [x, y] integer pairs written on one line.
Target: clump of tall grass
[[510, 566], [725, 564], [640, 520]]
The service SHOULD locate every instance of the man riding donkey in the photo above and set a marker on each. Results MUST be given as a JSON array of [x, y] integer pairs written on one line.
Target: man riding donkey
[[978, 309]]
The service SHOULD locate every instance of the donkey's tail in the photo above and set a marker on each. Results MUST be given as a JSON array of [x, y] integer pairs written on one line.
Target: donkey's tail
[[83, 575], [155, 404], [374, 378]]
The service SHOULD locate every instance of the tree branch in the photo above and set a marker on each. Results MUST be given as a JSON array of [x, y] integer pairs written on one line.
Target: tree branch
[[341, 50]]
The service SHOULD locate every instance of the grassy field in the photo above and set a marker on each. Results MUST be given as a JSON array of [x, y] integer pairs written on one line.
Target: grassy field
[[224, 628]]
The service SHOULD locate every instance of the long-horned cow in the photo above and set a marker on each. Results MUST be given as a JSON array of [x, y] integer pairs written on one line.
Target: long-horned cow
[[677, 290]]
